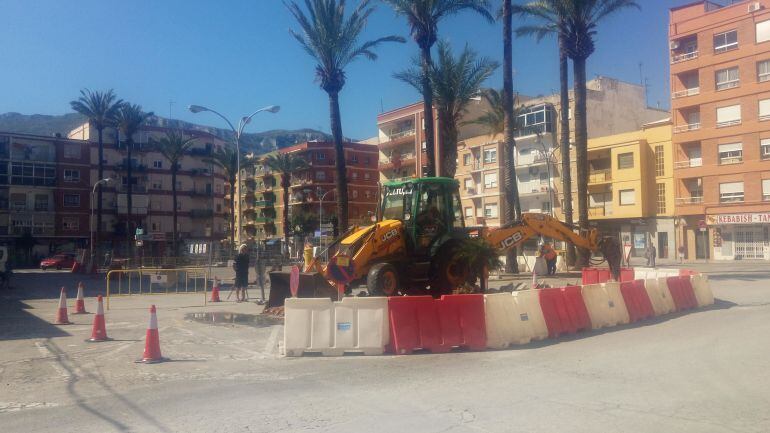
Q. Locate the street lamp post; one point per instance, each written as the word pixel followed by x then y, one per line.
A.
pixel 321 218
pixel 91 220
pixel 237 139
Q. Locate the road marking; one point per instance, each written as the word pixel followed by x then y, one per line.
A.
pixel 47 353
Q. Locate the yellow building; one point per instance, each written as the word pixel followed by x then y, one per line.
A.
pixel 631 187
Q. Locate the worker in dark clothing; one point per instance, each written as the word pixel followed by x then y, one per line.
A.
pixel 241 267
pixel 549 254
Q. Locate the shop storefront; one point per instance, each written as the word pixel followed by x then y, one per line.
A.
pixel 742 236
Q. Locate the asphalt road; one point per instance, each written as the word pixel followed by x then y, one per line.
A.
pixel 705 371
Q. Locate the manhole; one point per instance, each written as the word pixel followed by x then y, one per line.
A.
pixel 225 318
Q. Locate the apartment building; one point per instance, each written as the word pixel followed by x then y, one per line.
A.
pixel 720 98
pixel 202 212
pixel 44 195
pixel 630 187
pixel 263 194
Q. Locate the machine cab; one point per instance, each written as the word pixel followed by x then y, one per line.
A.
pixel 429 207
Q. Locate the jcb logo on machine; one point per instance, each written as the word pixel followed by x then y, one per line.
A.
pixel 510 241
pixel 390 235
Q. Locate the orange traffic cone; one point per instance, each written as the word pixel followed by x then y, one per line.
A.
pixel 99 332
pixel 152 341
pixel 215 291
pixel 61 315
pixel 80 305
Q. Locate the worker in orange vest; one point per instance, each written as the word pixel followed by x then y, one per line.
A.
pixel 549 254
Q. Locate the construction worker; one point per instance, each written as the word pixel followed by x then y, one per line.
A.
pixel 549 254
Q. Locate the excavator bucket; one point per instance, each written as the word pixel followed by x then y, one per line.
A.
pixel 610 248
pixel 311 285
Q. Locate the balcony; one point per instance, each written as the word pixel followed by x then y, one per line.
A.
pixel 398 138
pixel 263 220
pixel 201 213
pixel 687 163
pixel 687 127
pixel 683 57
pixel 600 176
pixel 688 200
pixel 531 190
pixel 687 92
pixel 264 203
pixel 397 161
pixel 534 158
pixel 600 211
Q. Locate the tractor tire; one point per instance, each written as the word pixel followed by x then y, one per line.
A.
pixel 447 271
pixel 383 280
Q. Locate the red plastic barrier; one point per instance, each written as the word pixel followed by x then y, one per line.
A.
pixel 564 311
pixel 437 325
pixel 637 301
pixel 590 276
pixel 626 274
pixel 687 272
pixel 603 274
pixel 682 293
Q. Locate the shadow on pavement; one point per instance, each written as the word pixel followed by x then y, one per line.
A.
pixel 741 276
pixel 16 323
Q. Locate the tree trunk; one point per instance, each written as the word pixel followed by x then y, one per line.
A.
pixel 173 199
pixel 129 203
pixel 427 98
pixel 448 144
pixel 511 187
pixel 566 166
pixel 339 154
pixel 286 229
pixel 99 206
pixel 581 150
pixel 232 212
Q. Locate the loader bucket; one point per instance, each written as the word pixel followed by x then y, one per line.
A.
pixel 311 285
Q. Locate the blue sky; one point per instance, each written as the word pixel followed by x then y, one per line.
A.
pixel 236 56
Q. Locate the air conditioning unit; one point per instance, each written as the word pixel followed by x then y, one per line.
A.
pixel 754 6
pixel 673 45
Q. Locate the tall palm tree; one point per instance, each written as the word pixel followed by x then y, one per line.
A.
pixel 550 15
pixel 333 40
pixel 286 164
pixel 455 81
pixel 423 17
pixel 226 158
pixel 101 109
pixel 129 119
pixel 173 147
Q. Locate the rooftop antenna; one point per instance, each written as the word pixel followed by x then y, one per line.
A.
pixel 382 107
pixel 645 83
pixel 171 103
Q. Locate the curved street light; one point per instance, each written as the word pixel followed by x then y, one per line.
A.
pixel 237 139
pixel 91 220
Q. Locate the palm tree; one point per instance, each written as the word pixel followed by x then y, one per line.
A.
pixel 101 109
pixel 455 81
pixel 286 164
pixel 226 158
pixel 173 147
pixel 334 42
pixel 423 17
pixel 129 119
pixel 551 15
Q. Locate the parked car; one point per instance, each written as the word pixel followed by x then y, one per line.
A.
pixel 58 261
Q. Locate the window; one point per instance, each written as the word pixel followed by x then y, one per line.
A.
pixel 219 207
pixel 368 194
pixel 725 41
pixel 320 175
pixel 320 156
pixel 490 180
pixel 157 184
pixel 660 162
pixel 355 175
pixel 731 192
pixel 763 70
pixel 490 156
pixel 544 180
pixel 367 160
pixel 71 200
pixel 41 203
pixel 730 153
pixel 547 208
pixel 625 160
pixel 468 184
pixel 367 176
pixel 764 109
pixel 490 210
pixel 70 224
pixel 763 31
pixel 728 116
pixel 72 151
pixel 468 212
pixel 727 78
pixel 660 198
pixel 765 189
pixel 627 197
pixel 764 148
pixel 467 159
pixel 72 175
pixel 156 226
pixel 157 164
pixel 424 147
pixel 355 193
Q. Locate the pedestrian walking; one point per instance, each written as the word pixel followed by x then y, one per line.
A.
pixel 681 253
pixel 241 268
pixel 650 253
pixel 549 254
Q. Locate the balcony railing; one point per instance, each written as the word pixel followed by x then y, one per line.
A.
pixel 600 211
pixel 687 127
pixel 728 123
pixel 533 158
pixel 687 163
pixel 688 200
pixel 687 92
pixel 597 176
pixel 401 134
pixel 676 58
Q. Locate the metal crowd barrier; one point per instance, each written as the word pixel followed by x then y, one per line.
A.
pixel 157 281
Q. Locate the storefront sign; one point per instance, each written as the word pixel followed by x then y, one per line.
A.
pixel 738 218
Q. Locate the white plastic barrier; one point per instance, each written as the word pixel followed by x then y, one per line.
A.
pixel 509 319
pixel 650 273
pixel 661 301
pixel 531 315
pixel 702 289
pixel 599 306
pixel 308 325
pixel 617 305
pixel 357 325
